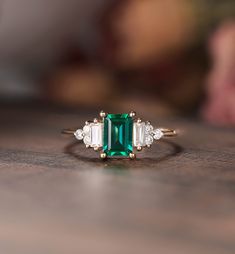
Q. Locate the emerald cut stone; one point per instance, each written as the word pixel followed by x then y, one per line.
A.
pixel 118 130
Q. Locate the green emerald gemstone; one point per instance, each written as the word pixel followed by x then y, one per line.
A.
pixel 118 130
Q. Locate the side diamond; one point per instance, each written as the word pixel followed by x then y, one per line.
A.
pixel 97 134
pixel 149 140
pixel 139 134
pixel 142 134
pixel 87 129
pixel 157 134
pixel 148 128
pixel 79 134
pixel 93 134
pixel 87 140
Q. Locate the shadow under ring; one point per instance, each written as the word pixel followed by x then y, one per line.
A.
pixel 152 156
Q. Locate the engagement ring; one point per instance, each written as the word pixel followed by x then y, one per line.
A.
pixel 119 135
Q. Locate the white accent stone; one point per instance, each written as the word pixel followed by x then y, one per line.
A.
pixel 139 134
pixel 157 134
pixel 142 134
pixel 87 140
pixel 79 134
pixel 148 128
pixel 93 134
pixel 97 134
pixel 149 140
pixel 86 129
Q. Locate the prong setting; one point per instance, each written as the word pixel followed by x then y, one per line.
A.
pixel 132 114
pixel 132 156
pixel 139 148
pixel 103 155
pixel 102 114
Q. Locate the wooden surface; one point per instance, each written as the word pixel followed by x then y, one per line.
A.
pixel 57 197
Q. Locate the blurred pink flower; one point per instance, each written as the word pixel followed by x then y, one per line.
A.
pixel 220 106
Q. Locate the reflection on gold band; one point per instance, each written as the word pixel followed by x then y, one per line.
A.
pixel 68 131
pixel 169 132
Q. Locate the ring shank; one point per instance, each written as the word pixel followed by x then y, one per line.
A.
pixel 68 131
pixel 168 132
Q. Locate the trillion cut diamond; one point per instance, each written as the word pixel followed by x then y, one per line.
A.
pixel 93 134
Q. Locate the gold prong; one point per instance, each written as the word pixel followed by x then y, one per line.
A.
pixel 139 120
pixel 96 148
pixel 132 114
pixel 132 156
pixel 102 114
pixel 139 148
pixel 103 156
pixel 95 120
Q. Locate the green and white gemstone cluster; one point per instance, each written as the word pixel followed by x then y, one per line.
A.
pixel 117 135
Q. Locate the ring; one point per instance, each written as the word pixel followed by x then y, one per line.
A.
pixel 119 135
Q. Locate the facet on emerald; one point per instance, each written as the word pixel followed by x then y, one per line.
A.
pixel 117 138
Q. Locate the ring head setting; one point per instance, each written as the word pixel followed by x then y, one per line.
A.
pixel 118 135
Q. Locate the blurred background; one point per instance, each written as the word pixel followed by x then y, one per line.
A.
pixel 159 57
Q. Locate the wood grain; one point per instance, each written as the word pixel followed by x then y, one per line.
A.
pixel 58 197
